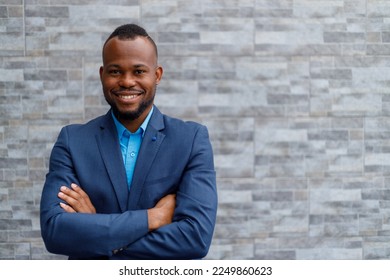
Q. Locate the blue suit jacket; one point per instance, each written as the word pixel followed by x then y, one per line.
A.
pixel 175 157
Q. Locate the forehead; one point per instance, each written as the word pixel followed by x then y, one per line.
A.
pixel 139 49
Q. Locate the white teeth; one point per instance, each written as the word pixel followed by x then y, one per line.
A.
pixel 128 96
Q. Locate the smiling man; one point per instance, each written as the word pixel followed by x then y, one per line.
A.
pixel 134 183
pixel 129 77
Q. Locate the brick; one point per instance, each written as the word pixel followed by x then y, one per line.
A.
pixel 47 11
pixel 294 94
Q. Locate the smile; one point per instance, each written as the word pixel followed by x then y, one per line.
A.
pixel 127 97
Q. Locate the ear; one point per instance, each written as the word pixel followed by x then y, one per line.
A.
pixel 159 74
pixel 101 72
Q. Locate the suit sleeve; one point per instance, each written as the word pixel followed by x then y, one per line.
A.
pixel 82 235
pixel 189 236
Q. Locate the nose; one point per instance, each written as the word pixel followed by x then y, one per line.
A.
pixel 127 80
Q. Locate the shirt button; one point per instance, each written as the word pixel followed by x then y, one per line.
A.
pixel 132 154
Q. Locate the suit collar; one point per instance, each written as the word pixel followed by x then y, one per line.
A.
pixel 108 143
pixel 150 146
pixel 157 120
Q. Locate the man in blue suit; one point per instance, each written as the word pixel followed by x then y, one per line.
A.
pixel 134 183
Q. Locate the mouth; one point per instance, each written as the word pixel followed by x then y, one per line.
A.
pixel 127 95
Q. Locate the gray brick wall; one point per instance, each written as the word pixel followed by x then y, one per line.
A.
pixel 295 94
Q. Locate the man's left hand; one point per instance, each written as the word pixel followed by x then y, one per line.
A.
pixel 77 201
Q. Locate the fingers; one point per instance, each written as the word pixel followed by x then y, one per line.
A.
pixel 69 196
pixel 76 192
pixel 76 200
pixel 67 208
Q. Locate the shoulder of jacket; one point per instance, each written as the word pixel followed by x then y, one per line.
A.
pixel 91 124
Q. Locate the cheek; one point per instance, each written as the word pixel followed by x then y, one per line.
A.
pixel 108 83
pixel 150 83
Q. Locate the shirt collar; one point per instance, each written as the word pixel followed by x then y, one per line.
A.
pixel 121 128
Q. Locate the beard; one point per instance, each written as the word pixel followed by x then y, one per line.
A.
pixel 130 115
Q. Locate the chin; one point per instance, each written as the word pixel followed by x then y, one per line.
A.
pixel 129 115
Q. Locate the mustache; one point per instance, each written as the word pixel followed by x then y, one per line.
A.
pixel 127 91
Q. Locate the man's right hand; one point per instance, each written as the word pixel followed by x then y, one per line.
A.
pixel 162 214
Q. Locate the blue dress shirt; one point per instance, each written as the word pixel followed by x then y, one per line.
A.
pixel 130 144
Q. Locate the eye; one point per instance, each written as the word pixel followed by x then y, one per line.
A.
pixel 114 72
pixel 139 71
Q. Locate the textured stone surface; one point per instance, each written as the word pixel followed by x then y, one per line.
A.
pixel 295 95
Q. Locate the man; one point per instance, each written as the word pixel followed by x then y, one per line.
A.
pixel 134 183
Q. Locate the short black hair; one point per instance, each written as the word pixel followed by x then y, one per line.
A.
pixel 130 32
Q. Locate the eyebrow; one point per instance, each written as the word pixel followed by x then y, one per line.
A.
pixel 140 65
pixel 135 66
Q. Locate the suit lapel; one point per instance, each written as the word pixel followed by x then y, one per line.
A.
pixel 150 145
pixel 108 143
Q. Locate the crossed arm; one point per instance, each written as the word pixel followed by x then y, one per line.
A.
pixel 77 201
pixel 179 226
